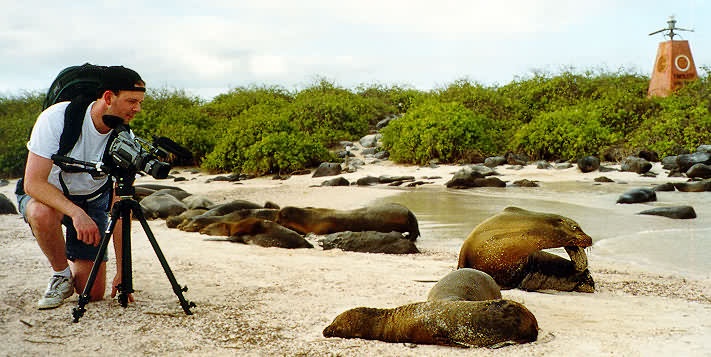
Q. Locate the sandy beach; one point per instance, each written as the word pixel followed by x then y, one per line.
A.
pixel 269 301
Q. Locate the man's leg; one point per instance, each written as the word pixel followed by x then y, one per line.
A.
pixel 81 269
pixel 45 223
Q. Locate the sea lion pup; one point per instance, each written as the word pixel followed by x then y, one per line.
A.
pixel 465 284
pixel 175 221
pixel 446 323
pixel 381 218
pixel 508 247
pixel 228 224
pixel 262 232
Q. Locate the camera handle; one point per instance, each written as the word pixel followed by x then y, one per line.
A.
pixel 123 209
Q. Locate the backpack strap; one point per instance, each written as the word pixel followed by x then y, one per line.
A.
pixel 73 121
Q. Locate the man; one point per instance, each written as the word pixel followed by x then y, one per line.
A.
pixel 84 211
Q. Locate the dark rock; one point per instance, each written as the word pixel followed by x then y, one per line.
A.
pixel 327 169
pixel 635 164
pixel 650 156
pixel 494 161
pixel 367 181
pixel 517 159
pixel 699 171
pixel 704 148
pixel 370 141
pixel 588 164
pixel 667 187
pixel 603 179
pixel 638 195
pixel 337 181
pixel 686 161
pixel 4 182
pixel 524 183
pixel 369 242
pixel 382 155
pixel 677 212
pixel 391 179
pixel 669 163
pixel 6 206
pixel 693 186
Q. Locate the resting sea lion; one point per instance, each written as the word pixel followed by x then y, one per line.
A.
pixel 447 323
pixel 465 284
pixel 175 221
pixel 197 223
pixel 264 233
pixel 382 218
pixel 508 247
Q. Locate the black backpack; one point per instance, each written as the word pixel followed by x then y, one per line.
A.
pixel 80 85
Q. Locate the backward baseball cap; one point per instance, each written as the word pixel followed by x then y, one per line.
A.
pixel 116 78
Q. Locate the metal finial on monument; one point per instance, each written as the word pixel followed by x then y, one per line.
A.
pixel 671 26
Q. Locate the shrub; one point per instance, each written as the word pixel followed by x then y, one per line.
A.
pixel 436 130
pixel 17 116
pixel 570 132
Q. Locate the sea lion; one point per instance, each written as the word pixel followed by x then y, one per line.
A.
pixel 381 218
pixel 465 284
pixel 447 323
pixel 6 206
pixel 508 247
pixel 264 233
pixel 197 223
pixel 175 221
pixel 162 205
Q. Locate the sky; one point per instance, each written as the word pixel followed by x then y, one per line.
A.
pixel 208 47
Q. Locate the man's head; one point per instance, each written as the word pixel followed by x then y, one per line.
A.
pixel 123 91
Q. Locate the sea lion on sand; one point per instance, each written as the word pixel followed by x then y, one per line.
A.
pixel 508 247
pixel 262 232
pixel 447 323
pixel 197 223
pixel 175 221
pixel 381 218
pixel 465 284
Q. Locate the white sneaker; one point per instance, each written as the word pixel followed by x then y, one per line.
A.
pixel 59 288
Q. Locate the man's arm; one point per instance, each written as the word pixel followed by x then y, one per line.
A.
pixel 36 185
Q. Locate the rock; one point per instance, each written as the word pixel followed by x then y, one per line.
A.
pixel 327 169
pixel 588 164
pixel 676 212
pixel 635 164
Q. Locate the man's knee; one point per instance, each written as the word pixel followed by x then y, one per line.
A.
pixel 81 269
pixel 40 215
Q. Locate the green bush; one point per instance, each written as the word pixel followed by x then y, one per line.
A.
pixel 682 123
pixel 330 114
pixel 17 116
pixel 435 130
pixel 174 114
pixel 263 140
pixel 568 133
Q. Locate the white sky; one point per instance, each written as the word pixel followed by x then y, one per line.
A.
pixel 209 46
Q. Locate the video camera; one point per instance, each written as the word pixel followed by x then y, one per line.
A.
pixel 130 154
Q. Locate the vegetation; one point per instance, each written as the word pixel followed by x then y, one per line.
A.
pixel 269 130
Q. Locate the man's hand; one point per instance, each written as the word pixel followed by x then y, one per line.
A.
pixel 114 290
pixel 87 230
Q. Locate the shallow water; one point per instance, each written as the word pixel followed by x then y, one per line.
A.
pixel 657 244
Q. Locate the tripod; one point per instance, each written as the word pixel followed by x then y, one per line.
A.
pixel 122 209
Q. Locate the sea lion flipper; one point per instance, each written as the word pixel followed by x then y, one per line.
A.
pixel 578 257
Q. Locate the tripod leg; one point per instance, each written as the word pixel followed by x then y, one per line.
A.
pixel 79 310
pixel 138 213
pixel 126 286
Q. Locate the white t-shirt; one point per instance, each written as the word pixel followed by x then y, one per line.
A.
pixel 44 142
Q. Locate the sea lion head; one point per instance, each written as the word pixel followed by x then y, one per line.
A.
pixel 354 323
pixel 559 231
